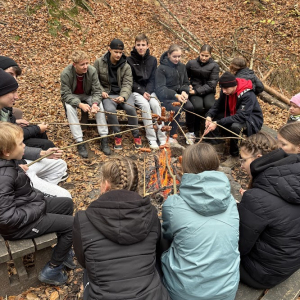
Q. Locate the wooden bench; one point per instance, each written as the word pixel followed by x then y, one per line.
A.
pixel 15 251
pixel 287 290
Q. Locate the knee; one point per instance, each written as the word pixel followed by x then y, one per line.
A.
pixel 69 205
pixel 236 127
pixel 130 110
pixel 189 106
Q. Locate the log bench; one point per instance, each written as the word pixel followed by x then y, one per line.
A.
pixel 287 290
pixel 15 251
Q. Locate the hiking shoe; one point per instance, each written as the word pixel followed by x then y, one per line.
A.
pixel 231 162
pixel 69 260
pixel 153 145
pixel 82 151
pixel 104 146
pixel 118 143
pixel 138 142
pixel 53 275
pixel 190 138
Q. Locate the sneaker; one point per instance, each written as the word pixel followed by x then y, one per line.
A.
pixel 64 177
pixel 173 141
pixel 53 275
pixel 138 142
pixel 82 151
pixel 153 145
pixel 69 261
pixel 190 138
pixel 231 162
pixel 118 143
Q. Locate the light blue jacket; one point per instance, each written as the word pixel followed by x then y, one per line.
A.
pixel 203 224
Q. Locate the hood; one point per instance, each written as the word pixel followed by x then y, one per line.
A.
pixel 245 73
pixel 278 173
pixel 243 86
pixel 136 55
pixel 122 216
pixel 164 60
pixel 106 58
pixel 208 193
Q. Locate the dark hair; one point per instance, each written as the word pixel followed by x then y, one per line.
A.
pixel 141 37
pixel 172 48
pixel 17 70
pixel 198 158
pixel 206 48
pixel 291 133
pixel 238 63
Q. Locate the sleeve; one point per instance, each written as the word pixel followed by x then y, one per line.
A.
pixel 77 242
pixel 218 106
pixel 66 93
pixel 253 221
pixel 96 92
pixel 32 153
pixel 211 83
pixel 151 83
pixel 188 69
pixel 167 214
pixel 31 131
pixel 258 86
pixel 161 89
pixel 127 81
pixel 186 83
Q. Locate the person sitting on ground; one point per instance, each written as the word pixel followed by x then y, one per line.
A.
pixel 80 88
pixel 236 109
pixel 203 73
pixel 115 78
pixel 24 211
pixel 116 237
pixel 202 223
pixel 143 67
pixel 238 67
pixel 294 109
pixel 172 85
pixel 288 138
pixel 46 174
pixel 269 213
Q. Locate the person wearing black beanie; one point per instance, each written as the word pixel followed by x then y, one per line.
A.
pixel 10 66
pixel 8 84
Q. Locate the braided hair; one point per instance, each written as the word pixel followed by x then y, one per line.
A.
pixel 121 173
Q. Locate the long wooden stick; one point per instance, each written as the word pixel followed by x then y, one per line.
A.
pixel 183 132
pixel 171 173
pixel 83 124
pixel 144 176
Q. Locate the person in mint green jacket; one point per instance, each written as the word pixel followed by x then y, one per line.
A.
pixel 202 223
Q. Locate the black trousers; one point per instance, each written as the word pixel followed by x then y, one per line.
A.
pixel 59 219
pixel 201 106
pixel 39 141
pixel 190 118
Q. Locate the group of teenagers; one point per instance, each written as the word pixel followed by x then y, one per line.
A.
pixel 207 242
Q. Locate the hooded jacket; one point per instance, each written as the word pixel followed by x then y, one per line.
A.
pixel 248 74
pixel 170 79
pixel 115 240
pixel 203 224
pixel 20 203
pixel 124 75
pixel 247 108
pixel 203 76
pixel 143 71
pixel 269 219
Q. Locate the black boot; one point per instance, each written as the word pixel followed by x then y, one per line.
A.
pixel 82 151
pixel 104 145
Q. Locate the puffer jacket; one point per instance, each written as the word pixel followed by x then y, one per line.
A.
pixel 115 239
pixel 248 74
pixel 68 85
pixel 203 76
pixel 124 75
pixel 203 224
pixel 20 203
pixel 170 79
pixel 269 219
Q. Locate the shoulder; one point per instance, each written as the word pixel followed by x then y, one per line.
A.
pixel 67 70
pixel 92 70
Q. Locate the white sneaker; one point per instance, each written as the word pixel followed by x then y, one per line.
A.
pixel 173 141
pixel 153 145
pixel 190 138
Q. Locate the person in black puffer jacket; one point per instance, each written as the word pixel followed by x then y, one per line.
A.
pixel 238 67
pixel 172 85
pixel 204 75
pixel 269 213
pixel 116 238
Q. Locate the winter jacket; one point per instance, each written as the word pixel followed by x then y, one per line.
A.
pixel 20 203
pixel 170 79
pixel 143 71
pixel 247 108
pixel 203 224
pixel 269 219
pixel 91 85
pixel 248 74
pixel 124 75
pixel 115 240
pixel 203 76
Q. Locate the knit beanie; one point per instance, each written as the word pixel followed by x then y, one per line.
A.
pixel 7 83
pixel 296 99
pixel 7 62
pixel 116 44
pixel 227 80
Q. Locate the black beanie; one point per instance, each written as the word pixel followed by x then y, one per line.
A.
pixel 7 83
pixel 116 44
pixel 7 62
pixel 227 80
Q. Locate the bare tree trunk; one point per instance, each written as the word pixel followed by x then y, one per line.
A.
pixel 268 98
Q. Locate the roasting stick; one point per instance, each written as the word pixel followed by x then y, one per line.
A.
pixel 171 173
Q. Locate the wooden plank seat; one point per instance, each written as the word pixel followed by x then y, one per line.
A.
pixel 15 251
